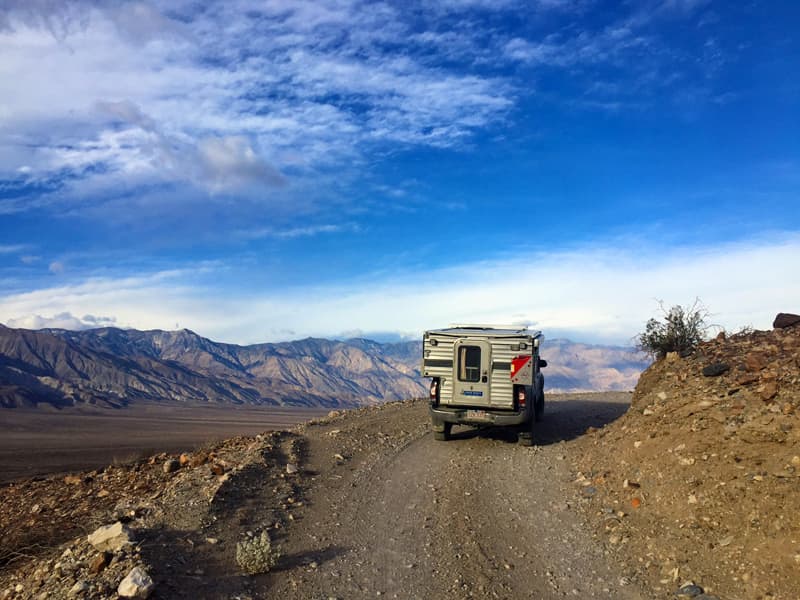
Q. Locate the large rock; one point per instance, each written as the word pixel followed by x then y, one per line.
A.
pixel 783 320
pixel 138 584
pixel 111 537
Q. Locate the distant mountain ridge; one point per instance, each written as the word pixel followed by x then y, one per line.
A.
pixel 113 367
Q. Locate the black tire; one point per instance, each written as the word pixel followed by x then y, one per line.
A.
pixel 538 408
pixel 525 437
pixel 444 435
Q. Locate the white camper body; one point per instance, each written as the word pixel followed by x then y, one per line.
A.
pixel 483 375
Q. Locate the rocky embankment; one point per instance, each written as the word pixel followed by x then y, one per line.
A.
pixel 700 479
pixel 115 532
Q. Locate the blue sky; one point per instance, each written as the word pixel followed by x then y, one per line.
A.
pixel 268 170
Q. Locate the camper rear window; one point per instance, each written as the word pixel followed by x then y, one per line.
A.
pixel 469 363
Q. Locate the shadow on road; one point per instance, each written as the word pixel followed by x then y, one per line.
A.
pixel 301 559
pixel 564 420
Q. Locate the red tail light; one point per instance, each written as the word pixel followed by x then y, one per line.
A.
pixel 434 389
pixel 521 399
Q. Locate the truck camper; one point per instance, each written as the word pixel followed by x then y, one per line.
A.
pixel 484 375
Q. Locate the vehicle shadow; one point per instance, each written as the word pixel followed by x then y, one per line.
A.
pixel 564 419
pixel 286 563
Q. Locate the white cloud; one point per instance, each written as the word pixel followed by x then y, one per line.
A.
pixel 12 248
pixel 296 232
pixel 63 320
pixel 590 294
pixel 56 267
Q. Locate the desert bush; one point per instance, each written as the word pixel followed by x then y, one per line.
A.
pixel 680 330
pixel 256 555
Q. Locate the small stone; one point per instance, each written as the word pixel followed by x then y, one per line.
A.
pixel 171 465
pixel 103 493
pixel 726 541
pixel 79 589
pixel 36 509
pixel 716 369
pixel 212 540
pixel 291 468
pixel 754 362
pixel 662 395
pixel 217 469
pixel 796 461
pixel 636 502
pixel 768 391
pixel 111 537
pixel 338 457
pixel 692 499
pixel 138 584
pixel 689 590
pixel 184 459
pixel 19 588
pixel 747 378
pixel 637 444
pixel 72 480
pixel 198 460
pixel 99 563
pixel 647 412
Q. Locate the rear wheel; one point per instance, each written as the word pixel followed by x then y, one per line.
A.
pixel 526 434
pixel 444 434
pixel 538 407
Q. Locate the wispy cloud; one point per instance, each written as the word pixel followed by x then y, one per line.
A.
pixel 297 232
pixel 12 248
pixel 591 293
pixel 227 97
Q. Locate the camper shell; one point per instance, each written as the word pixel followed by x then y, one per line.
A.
pixel 484 375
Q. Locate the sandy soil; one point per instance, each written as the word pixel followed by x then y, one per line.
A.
pixel 40 442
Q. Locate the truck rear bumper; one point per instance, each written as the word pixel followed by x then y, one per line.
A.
pixel 445 414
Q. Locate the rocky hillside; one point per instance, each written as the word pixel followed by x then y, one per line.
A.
pixel 700 480
pixel 114 367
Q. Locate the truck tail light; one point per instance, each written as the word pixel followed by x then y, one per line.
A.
pixel 521 399
pixel 434 390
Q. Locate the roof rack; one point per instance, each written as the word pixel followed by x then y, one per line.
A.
pixel 483 326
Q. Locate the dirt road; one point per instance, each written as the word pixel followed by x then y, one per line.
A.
pixel 389 512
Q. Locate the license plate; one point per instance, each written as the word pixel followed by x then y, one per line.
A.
pixel 478 415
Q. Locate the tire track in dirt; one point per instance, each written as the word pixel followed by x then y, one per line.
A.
pixel 404 516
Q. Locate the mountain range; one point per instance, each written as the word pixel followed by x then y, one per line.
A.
pixel 112 367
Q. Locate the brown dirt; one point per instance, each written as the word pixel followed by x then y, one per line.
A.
pixel 714 466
